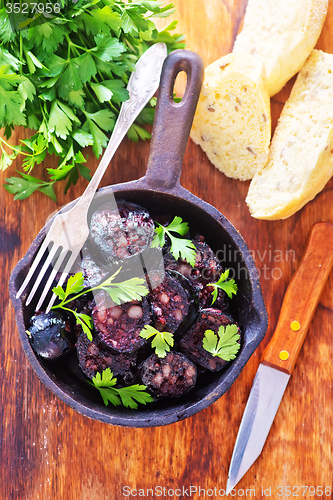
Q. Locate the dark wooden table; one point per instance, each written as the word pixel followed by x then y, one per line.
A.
pixel 48 451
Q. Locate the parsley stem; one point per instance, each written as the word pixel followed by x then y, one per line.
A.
pixel 13 148
pixel 107 282
pixel 90 95
pixel 72 44
pixel 21 54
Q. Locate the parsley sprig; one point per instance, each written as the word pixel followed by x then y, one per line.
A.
pixel 161 341
pixel 129 396
pixel 125 291
pixel 180 247
pixel 224 345
pixel 228 286
pixel 64 77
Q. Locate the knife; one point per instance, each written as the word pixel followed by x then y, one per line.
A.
pixel 279 358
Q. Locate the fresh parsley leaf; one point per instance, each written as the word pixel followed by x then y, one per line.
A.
pixel 107 48
pixel 59 122
pixel 180 248
pixel 135 132
pixel 24 186
pixel 119 93
pixel 11 108
pixel 85 322
pixel 74 284
pixel 178 226
pixel 65 77
pixel 184 249
pixel 6 160
pixel 161 341
pixel 125 291
pixel 228 286
pixel 103 118
pixel 86 67
pixel 102 93
pixel 224 345
pixel 128 396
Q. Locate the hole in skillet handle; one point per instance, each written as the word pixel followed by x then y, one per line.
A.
pixel 173 121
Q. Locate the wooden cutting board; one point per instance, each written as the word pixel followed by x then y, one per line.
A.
pixel 48 451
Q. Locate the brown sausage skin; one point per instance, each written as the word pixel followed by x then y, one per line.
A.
pixel 207 269
pixel 170 304
pixel 94 357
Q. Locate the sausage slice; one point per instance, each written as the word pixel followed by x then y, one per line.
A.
pixel 191 342
pixel 171 376
pixel 119 232
pixel 94 357
pixel 119 326
pixel 207 269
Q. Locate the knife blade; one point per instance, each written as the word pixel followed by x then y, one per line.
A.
pixel 279 358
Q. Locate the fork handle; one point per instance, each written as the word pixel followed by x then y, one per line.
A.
pixel 142 85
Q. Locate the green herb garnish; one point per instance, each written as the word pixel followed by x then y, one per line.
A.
pixel 229 287
pixel 224 345
pixel 64 77
pixel 125 291
pixel 161 341
pixel 180 247
pixel 128 396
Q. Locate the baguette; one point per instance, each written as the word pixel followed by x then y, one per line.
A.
pixel 281 33
pixel 301 155
pixel 232 122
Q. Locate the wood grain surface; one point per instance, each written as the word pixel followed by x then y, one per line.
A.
pixel 48 451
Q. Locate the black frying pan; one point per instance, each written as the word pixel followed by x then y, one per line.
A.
pixel 161 193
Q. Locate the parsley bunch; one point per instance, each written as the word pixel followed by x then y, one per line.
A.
pixel 64 77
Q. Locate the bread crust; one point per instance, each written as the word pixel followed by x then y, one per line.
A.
pixel 301 155
pixel 282 34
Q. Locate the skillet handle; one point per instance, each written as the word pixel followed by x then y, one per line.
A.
pixel 173 121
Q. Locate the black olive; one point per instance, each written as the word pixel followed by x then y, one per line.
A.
pixel 50 334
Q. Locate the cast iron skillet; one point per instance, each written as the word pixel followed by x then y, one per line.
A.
pixel 161 193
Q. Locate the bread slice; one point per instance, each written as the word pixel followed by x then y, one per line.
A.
pixel 232 123
pixel 301 154
pixel 282 33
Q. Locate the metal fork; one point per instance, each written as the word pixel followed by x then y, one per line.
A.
pixel 69 230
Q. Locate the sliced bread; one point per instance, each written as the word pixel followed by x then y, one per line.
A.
pixel 301 155
pixel 232 123
pixel 281 33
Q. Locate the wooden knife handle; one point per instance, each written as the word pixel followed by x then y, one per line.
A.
pixel 301 299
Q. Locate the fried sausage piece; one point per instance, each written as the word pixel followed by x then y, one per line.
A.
pixel 50 334
pixel 207 269
pixel 119 232
pixel 94 357
pixel 119 326
pixel 169 303
pixel 191 342
pixel 171 376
